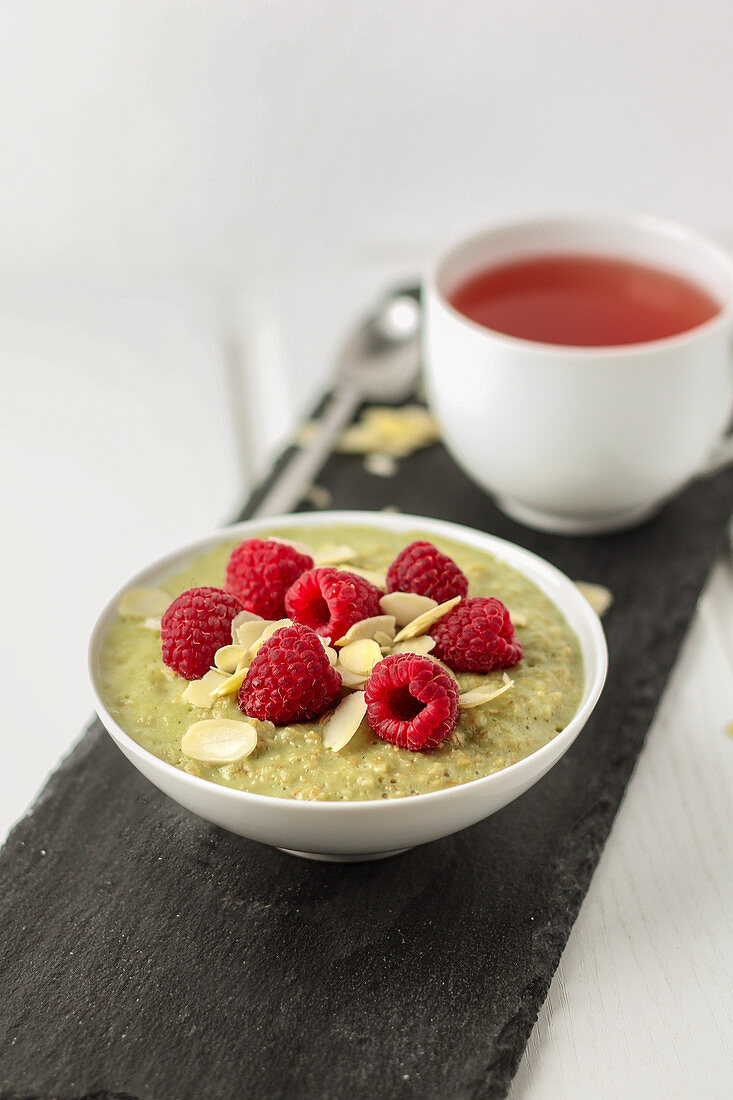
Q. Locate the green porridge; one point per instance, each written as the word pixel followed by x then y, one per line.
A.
pixel 144 696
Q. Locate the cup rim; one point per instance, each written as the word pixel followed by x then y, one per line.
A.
pixel 649 223
pixel 516 555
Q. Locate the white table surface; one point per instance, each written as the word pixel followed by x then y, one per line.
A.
pixel 98 478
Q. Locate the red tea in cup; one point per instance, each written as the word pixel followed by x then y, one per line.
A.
pixel 583 300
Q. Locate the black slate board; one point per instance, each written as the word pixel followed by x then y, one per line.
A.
pixel 144 954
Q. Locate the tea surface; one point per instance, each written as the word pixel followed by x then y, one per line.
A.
pixel 585 301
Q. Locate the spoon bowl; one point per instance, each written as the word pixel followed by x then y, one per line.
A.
pixel 379 362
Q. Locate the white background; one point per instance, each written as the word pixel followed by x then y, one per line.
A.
pixel 182 179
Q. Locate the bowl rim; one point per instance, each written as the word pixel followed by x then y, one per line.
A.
pixel 508 552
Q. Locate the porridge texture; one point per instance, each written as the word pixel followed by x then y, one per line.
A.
pixel 145 697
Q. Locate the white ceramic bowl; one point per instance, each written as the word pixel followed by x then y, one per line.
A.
pixel 344 831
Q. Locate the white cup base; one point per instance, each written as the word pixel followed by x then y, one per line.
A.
pixel 562 525
pixel 325 858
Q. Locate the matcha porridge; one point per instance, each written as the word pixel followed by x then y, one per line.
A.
pixel 465 724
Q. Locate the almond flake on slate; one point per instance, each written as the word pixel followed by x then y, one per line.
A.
pixel 598 596
pixel 476 697
pixel 331 555
pixel 369 628
pixel 344 722
pixel 228 657
pixel 319 496
pixel 219 741
pixel 360 657
pixel 232 683
pixel 249 632
pixel 151 624
pixel 143 603
pixel 423 645
pixel 406 606
pixel 350 679
pixel 379 580
pixel 423 622
pixel 392 431
pixel 200 693
pixel 380 465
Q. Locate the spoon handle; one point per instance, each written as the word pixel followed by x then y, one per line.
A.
pixel 305 465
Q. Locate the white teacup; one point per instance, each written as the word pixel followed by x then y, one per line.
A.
pixel 581 439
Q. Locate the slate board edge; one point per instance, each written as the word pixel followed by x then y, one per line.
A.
pixel 591 833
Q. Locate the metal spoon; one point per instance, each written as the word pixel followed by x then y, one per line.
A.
pixel 380 362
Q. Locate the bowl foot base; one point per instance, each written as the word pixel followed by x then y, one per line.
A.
pixel 326 858
pixel 560 525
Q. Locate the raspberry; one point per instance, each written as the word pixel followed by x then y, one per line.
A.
pixel 194 626
pixel 421 568
pixel 290 679
pixel 260 571
pixel 330 600
pixel 477 636
pixel 411 701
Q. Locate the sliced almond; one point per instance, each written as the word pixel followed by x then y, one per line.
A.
pixel 301 547
pixel 200 693
pixel 406 606
pixel 598 596
pixel 143 603
pixel 307 432
pixel 151 624
pixel 360 657
pixel 244 617
pixel 228 657
pixel 329 651
pixel 380 464
pixel 518 619
pixel 319 496
pixel 232 683
pixel 423 645
pixel 383 640
pixel 476 697
pixel 219 740
pixel 379 580
pixel 350 679
pixel 423 622
pixel 369 628
pixel 269 630
pixel 330 555
pixel 249 632
pixel 394 431
pixel 344 722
